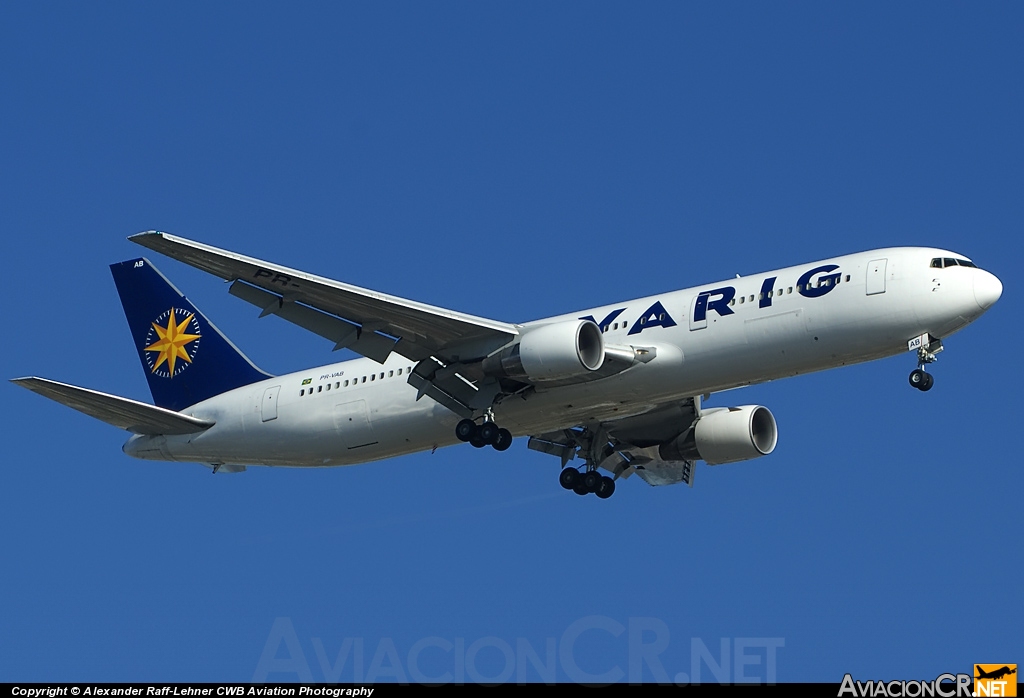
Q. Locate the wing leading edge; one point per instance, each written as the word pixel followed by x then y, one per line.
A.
pixel 370 323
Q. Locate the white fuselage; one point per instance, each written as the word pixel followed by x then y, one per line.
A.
pixel 357 411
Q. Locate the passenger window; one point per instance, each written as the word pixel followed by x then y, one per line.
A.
pixel 372 376
pixel 382 375
pixel 789 290
pixel 604 329
pixel 319 388
pixel 364 379
pixel 399 371
pixel 732 302
pixel 337 385
pixel 346 384
pixel 391 374
pixel 328 386
pixel 302 392
pixel 751 298
pixel 847 278
pixel 760 297
pixel 743 299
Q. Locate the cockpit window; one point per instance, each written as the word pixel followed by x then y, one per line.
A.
pixel 939 263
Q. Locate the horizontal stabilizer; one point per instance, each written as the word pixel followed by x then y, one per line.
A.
pixel 136 417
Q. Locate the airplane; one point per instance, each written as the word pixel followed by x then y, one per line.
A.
pixel 995 674
pixel 619 387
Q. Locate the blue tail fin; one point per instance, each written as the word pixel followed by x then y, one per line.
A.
pixel 186 358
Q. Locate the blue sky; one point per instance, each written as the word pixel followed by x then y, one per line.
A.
pixel 514 161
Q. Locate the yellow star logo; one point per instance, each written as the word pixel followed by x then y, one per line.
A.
pixel 171 342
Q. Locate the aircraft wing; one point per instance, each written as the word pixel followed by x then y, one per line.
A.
pixel 136 417
pixel 370 323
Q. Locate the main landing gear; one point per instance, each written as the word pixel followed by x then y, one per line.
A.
pixel 480 435
pixel 584 483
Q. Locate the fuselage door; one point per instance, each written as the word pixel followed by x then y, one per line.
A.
pixel 694 323
pixel 269 405
pixel 352 422
pixel 876 277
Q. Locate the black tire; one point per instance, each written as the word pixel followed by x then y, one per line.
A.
pixel 929 381
pixel 489 433
pixel 580 489
pixel 465 430
pixel 607 488
pixel 917 378
pixel 592 480
pixel 477 443
pixel 504 440
pixel 569 478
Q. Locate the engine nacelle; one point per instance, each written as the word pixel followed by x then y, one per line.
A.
pixel 558 351
pixel 726 435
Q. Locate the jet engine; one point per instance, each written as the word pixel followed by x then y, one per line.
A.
pixel 559 351
pixel 725 435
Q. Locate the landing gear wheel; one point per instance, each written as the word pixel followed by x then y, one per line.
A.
pixel 569 478
pixel 504 440
pixel 917 378
pixel 606 488
pixel 489 433
pixel 579 488
pixel 921 380
pixel 477 442
pixel 592 480
pixel 465 430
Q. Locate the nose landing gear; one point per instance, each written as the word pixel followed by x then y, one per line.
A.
pixel 927 347
pixel 921 380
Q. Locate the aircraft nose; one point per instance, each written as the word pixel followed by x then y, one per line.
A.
pixel 987 288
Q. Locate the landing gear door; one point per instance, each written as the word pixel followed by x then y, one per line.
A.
pixel 696 324
pixel 876 277
pixel 269 405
